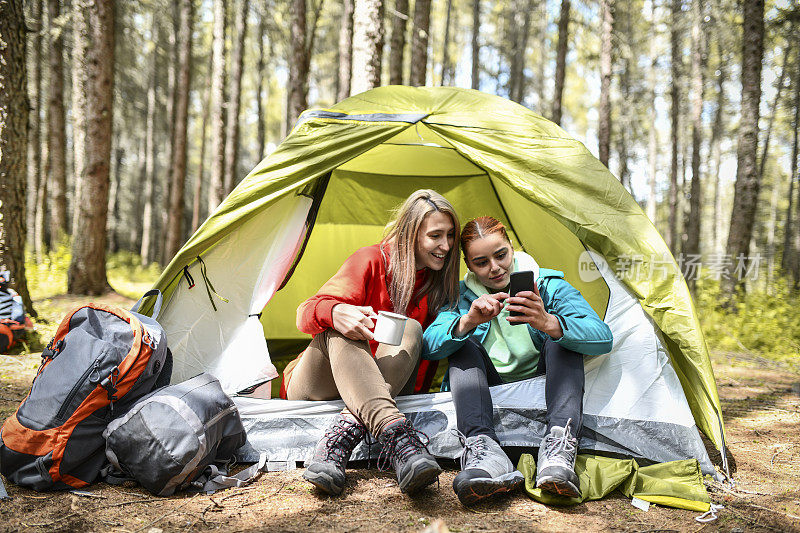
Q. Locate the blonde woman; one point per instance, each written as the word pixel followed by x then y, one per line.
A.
pixel 412 271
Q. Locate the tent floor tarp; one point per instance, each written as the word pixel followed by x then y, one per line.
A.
pixel 287 431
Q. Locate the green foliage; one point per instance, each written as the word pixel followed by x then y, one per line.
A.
pixel 766 322
pixel 126 274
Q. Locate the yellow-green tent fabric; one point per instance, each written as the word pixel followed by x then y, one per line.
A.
pixel 329 187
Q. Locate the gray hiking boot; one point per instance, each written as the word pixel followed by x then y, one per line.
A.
pixel 555 468
pixel 485 470
pixel 402 446
pixel 326 468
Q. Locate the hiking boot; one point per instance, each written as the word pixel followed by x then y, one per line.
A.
pixel 326 468
pixel 402 445
pixel 555 468
pixel 486 470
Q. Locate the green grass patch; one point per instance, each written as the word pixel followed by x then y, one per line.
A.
pixel 765 322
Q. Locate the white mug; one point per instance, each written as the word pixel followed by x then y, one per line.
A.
pixel 389 328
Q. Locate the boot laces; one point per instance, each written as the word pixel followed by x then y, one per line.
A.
pixel 341 439
pixel 404 442
pixel 472 452
pixel 561 449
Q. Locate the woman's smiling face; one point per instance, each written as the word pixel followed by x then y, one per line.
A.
pixel 490 258
pixel 435 239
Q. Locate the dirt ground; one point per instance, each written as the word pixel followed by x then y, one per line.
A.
pixel 760 402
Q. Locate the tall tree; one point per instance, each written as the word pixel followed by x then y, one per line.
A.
pixel 42 228
pixel 698 67
pixel 521 29
pixel 216 187
pixel 561 60
pixel 715 150
pixel 447 64
pixel 80 44
pixel 261 65
pixel 13 144
pixel 87 271
pixel 175 220
pixel 790 261
pixel 476 46
pixel 56 169
pixel 676 37
pixel 419 43
pixel 298 65
pixel 200 174
pixel 604 125
pixel 234 100
pixel 150 155
pixel 345 72
pixel 367 45
pixel 747 179
pixel 652 133
pixel 397 47
pixel 34 129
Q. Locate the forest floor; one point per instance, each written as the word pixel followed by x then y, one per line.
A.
pixel 760 403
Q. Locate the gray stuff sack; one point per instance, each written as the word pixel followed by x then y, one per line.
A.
pixel 166 441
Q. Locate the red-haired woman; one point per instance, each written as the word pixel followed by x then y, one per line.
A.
pixel 412 271
pixel 485 348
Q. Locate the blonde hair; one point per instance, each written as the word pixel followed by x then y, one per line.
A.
pixel 441 285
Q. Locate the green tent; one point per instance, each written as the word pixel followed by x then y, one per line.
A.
pixel 329 187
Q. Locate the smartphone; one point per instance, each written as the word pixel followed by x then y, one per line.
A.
pixel 520 281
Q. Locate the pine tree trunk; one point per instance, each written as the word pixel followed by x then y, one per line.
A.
pixel 397 48
pixel 522 25
pixel 698 69
pixel 675 41
pixel 652 133
pixel 561 60
pixel 216 190
pixel 790 260
pixel 78 108
pixel 43 211
pixel 136 185
pixel 234 101
pixel 446 63
pixel 476 46
pixel 298 66
pixel 175 220
pixel 715 151
pixel 200 175
pixel 345 71
pixel 604 125
pixel 113 197
pixel 149 200
pixel 367 45
pixel 56 132
pixel 34 84
pixel 87 271
pixel 747 185
pixel 419 43
pixel 13 144
pixel 261 80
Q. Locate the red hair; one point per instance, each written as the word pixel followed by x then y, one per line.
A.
pixel 479 228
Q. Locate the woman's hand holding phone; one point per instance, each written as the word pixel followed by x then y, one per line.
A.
pixel 354 321
pixel 483 309
pixel 530 306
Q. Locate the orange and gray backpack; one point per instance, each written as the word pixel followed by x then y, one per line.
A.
pixel 102 360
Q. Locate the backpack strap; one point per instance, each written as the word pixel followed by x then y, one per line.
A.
pixel 215 477
pixel 156 306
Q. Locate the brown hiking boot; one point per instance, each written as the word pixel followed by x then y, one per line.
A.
pixel 402 445
pixel 326 468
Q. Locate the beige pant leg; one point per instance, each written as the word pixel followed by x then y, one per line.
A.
pixel 399 364
pixel 334 366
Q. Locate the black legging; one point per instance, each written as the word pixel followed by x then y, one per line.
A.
pixel 472 373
